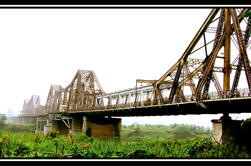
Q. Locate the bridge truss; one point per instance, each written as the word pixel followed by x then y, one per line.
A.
pixel 198 74
pixel 217 53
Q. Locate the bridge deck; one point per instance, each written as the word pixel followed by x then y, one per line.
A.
pixel 216 106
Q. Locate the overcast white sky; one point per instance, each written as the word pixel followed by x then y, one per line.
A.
pixel 40 47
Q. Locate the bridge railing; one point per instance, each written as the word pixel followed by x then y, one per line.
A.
pixel 130 98
pixel 143 96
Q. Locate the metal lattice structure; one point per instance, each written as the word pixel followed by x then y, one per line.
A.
pixel 32 107
pixel 54 99
pixel 203 72
pixel 226 33
pixel 82 91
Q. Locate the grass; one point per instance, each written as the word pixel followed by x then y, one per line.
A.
pixel 138 141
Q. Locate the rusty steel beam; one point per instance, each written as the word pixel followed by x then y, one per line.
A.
pixel 192 44
pixel 183 59
pixel 240 60
pixel 216 40
pixel 83 90
pixel 164 82
pixel 242 47
pixel 211 60
pixel 190 79
pixel 179 66
pixel 227 67
pixel 209 68
pixel 217 85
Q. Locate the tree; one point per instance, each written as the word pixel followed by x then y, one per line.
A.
pixel 182 131
pixel 2 120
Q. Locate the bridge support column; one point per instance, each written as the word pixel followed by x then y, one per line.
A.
pixel 76 124
pixel 40 125
pixel 104 128
pixel 60 127
pixel 226 130
pixel 47 127
pixel 56 125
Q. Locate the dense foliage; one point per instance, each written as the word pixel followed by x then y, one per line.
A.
pixel 152 132
pixel 138 141
pixel 2 120
pixel 19 127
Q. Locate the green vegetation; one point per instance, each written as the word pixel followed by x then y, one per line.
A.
pixel 152 132
pixel 19 127
pixel 245 132
pixel 138 141
pixel 248 14
pixel 2 120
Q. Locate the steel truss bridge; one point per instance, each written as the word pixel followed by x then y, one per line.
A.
pixel 198 83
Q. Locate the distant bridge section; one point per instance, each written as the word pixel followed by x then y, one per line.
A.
pixel 32 107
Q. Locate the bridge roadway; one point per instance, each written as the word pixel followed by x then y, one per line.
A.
pixel 215 106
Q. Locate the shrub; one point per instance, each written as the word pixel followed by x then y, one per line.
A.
pixel 245 132
pixel 2 120
pixel 19 127
pixel 22 149
pixel 51 134
pixel 77 151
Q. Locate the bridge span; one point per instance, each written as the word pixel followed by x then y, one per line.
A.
pixel 192 85
pixel 216 106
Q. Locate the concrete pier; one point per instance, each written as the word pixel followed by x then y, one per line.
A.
pixel 47 127
pixel 226 130
pixel 76 124
pixel 104 128
pixel 60 127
